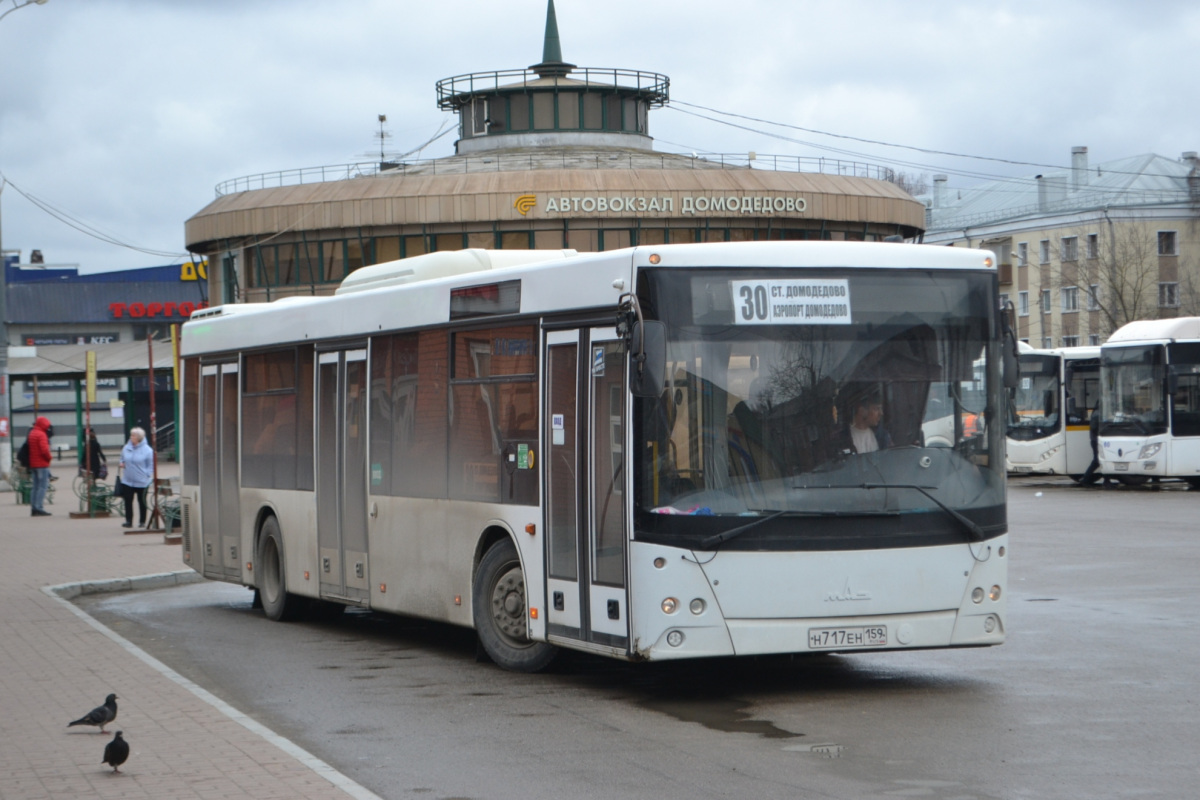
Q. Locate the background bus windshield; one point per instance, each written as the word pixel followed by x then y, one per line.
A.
pixel 833 419
pixel 1034 412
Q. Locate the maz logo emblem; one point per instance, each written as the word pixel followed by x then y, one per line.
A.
pixel 847 594
pixel 525 202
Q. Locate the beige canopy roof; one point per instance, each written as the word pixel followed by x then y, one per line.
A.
pixel 69 361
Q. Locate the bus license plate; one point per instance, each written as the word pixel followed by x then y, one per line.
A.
pixel 1121 466
pixel 836 638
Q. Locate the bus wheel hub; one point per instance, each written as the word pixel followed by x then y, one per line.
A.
pixel 508 604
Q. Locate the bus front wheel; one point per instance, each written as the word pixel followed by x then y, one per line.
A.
pixel 272 583
pixel 498 606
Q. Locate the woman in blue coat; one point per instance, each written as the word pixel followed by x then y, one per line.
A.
pixel 137 471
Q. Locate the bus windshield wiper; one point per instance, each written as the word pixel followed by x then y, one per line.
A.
pixel 971 526
pixel 725 536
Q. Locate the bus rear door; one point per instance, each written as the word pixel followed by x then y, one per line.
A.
pixel 342 474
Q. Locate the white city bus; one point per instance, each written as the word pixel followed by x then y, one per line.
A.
pixel 1150 379
pixel 640 453
pixel 1049 413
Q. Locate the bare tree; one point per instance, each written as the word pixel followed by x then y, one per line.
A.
pixel 915 183
pixel 1120 278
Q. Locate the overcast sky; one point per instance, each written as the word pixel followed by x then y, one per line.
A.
pixel 126 113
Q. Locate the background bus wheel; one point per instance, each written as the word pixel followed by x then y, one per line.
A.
pixel 498 606
pixel 272 588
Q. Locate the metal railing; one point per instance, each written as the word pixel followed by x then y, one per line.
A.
pixel 567 158
pixel 453 92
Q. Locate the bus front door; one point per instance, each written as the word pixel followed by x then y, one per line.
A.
pixel 342 474
pixel 220 508
pixel 585 479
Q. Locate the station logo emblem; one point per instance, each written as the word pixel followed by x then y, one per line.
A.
pixel 524 203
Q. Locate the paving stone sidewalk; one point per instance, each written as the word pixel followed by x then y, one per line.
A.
pixel 55 667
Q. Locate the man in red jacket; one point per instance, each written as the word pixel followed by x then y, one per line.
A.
pixel 39 465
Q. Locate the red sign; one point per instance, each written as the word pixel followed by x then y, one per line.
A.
pixel 143 310
pixel 3 427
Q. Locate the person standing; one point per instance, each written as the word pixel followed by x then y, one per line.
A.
pixel 39 465
pixel 137 470
pixel 98 463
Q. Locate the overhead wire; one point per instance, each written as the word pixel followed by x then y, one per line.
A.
pixel 85 227
pixel 967 173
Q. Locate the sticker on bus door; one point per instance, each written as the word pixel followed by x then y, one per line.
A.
pixel 807 301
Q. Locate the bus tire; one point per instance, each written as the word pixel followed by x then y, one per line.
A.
pixel 277 603
pixel 498 607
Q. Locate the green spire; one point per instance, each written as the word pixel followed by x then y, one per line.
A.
pixel 552 49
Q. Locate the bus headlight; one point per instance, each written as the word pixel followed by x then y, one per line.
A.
pixel 1149 450
pixel 977 595
pixel 670 605
pixel 697 606
pixel 994 594
pixel 675 638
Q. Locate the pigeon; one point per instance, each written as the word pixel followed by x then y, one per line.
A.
pixel 100 715
pixel 116 751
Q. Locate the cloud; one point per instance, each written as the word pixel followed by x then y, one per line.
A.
pixel 128 112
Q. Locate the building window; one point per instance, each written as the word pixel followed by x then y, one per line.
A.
pixel 1070 248
pixel 1044 251
pixel 1166 243
pixel 1093 297
pixel 1168 295
pixel 1094 339
pixel 1023 303
pixel 1070 298
pixel 1047 342
pixel 1070 341
pixel 1045 301
pixel 1093 245
pixel 1022 253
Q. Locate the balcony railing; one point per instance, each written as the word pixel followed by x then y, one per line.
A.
pixel 553 159
pixel 453 92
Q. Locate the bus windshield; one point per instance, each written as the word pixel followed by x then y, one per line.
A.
pixel 882 413
pixel 1132 379
pixel 1034 409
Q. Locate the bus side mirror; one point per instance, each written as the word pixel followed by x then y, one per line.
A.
pixel 648 358
pixel 1011 361
pixel 1048 403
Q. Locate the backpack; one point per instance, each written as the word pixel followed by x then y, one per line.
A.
pixel 23 455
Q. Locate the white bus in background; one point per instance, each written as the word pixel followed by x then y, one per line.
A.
pixel 1150 379
pixel 640 453
pixel 1049 413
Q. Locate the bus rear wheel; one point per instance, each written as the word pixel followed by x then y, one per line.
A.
pixel 498 606
pixel 277 604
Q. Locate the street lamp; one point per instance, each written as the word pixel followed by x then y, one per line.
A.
pixel 17 5
pixel 6 435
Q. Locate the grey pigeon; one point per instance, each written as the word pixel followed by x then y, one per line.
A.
pixel 100 715
pixel 116 751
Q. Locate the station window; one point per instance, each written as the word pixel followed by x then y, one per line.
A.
pixel 568 111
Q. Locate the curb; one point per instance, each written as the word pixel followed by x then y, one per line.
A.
pixel 162 580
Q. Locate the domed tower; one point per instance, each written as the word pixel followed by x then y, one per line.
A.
pixel 553 104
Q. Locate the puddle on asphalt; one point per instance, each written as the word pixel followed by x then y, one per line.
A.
pixel 726 716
